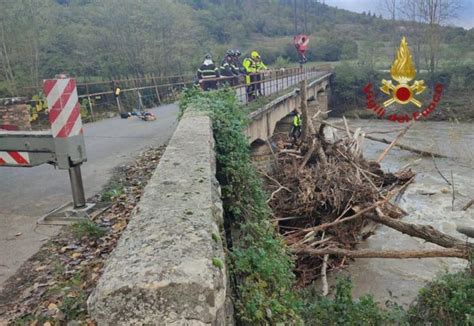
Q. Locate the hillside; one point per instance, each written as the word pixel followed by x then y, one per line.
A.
pixel 112 38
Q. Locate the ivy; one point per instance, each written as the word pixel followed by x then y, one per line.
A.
pixel 261 265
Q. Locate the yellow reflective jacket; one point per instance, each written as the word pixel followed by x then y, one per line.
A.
pixel 250 65
pixel 297 120
pixel 261 66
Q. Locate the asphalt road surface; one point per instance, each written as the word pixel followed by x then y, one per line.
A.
pixel 26 194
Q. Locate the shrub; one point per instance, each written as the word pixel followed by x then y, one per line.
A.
pixel 448 300
pixel 344 310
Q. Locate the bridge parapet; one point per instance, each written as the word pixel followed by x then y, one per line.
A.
pixel 165 269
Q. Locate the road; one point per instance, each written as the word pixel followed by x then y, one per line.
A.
pixel 29 193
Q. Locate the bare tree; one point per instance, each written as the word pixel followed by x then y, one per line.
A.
pixel 6 71
pixel 391 8
pixel 409 10
pixel 435 13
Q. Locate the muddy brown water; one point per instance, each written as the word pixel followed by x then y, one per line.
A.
pixel 429 200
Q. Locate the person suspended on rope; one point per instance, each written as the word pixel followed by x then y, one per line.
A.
pixel 301 45
pixel 295 132
pixel 208 73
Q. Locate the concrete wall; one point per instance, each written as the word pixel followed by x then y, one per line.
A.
pixel 264 120
pixel 15 117
pixel 162 271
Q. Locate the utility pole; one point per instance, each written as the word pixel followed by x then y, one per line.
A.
pixel 296 20
pixel 305 9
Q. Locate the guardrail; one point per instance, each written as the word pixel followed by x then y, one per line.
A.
pixel 62 146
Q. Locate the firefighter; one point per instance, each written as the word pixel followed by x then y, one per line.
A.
pixel 260 67
pixel 208 73
pixel 228 69
pixel 250 66
pixel 237 67
pixel 295 132
pixel 236 63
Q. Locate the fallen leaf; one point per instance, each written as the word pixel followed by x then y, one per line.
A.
pixel 41 268
pixel 76 255
pixel 53 307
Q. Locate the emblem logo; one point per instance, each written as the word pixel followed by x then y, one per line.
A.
pixel 403 71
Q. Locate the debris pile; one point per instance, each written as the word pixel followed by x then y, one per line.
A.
pixel 326 198
pixel 321 194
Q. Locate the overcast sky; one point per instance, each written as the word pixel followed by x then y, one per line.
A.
pixel 465 19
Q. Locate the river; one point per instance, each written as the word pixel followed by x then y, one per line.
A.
pixel 428 201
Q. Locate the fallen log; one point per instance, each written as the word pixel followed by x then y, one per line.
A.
pixel 396 254
pixel 469 204
pixel 425 232
pixel 393 143
pixel 385 141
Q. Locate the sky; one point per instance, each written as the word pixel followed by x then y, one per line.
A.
pixel 465 16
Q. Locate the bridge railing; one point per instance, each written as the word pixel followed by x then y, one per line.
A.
pixel 97 97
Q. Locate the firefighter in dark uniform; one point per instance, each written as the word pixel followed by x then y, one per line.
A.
pixel 208 73
pixel 228 70
pixel 237 66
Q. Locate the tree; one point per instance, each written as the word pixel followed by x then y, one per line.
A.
pixel 409 10
pixel 434 13
pixel 391 7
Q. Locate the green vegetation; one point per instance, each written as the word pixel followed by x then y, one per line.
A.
pixel 344 310
pixel 449 300
pixel 109 39
pixel 112 190
pixel 87 228
pixel 261 266
pixel 260 263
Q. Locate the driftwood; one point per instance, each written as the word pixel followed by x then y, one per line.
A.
pixel 385 141
pixel 397 254
pixel 393 143
pixel 425 232
pixel 306 122
pixel 323 275
pixel 469 204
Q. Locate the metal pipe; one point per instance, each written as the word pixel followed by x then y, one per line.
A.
pixel 77 187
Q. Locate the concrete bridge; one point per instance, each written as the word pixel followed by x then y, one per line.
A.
pixel 163 270
pixel 265 120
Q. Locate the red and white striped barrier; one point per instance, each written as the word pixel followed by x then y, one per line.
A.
pixel 14 158
pixel 64 108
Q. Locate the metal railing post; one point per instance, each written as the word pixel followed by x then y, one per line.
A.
pixel 77 187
